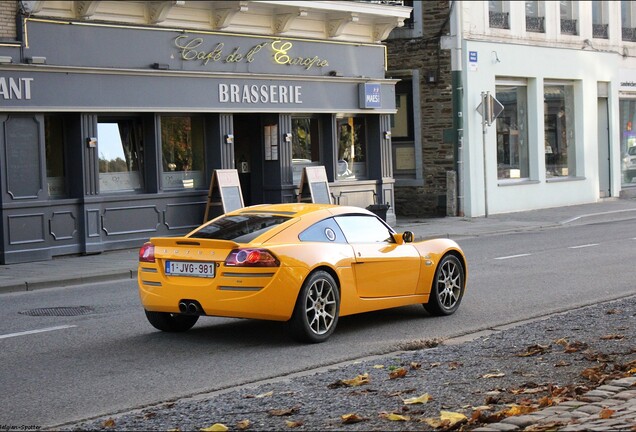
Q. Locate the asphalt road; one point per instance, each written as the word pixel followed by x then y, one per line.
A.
pixel 111 360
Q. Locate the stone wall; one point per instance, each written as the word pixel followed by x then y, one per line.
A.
pixel 424 53
pixel 8 10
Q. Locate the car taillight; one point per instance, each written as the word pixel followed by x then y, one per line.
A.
pixel 251 258
pixel 147 253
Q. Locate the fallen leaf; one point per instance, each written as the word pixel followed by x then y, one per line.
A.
pixel 534 350
pixel 494 375
pixel 149 415
pixel 434 365
pixel 606 413
pixel 415 365
pixel 259 396
pixel 216 427
pixel 394 417
pixel 544 427
pixel 398 373
pixel 613 337
pixel 454 365
pixel 353 382
pixel 378 366
pixel 613 311
pixel 562 363
pixel 284 411
pixel 452 417
pixel 594 374
pixel 562 342
pixel 517 410
pixel 435 423
pixel 351 418
pixel 243 424
pixel 546 401
pixel 294 424
pixel 575 347
pixel 418 400
pixel 109 423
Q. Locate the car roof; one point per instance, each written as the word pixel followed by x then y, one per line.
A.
pixel 299 209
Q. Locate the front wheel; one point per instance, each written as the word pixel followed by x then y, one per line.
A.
pixel 317 308
pixel 171 322
pixel 448 287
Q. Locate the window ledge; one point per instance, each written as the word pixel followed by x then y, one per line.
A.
pixel 563 179
pixel 517 182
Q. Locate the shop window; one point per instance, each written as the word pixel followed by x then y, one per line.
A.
pixel 305 145
pixel 351 163
pixel 119 148
pixel 560 142
pixel 498 14
pixel 627 115
pixel 628 21
pixel 535 16
pixel 568 18
pixel 182 144
pixel 512 131
pixel 600 19
pixel 402 132
pixel 55 164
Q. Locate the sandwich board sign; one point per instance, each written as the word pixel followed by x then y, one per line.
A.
pixel 225 192
pixel 314 186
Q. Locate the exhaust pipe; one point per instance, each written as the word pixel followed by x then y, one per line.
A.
pixel 183 307
pixel 193 308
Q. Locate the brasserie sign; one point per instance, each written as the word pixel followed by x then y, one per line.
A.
pixel 281 52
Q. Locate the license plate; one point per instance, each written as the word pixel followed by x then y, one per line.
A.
pixel 190 268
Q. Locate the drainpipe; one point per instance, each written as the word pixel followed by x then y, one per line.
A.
pixel 455 42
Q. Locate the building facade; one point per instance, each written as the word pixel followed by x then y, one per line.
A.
pixel 532 104
pixel 114 115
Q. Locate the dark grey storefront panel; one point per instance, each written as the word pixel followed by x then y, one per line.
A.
pixel 30 89
pixel 95 45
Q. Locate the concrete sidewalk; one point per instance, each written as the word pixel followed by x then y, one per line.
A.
pixel 117 265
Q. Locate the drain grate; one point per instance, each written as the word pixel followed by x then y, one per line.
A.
pixel 59 311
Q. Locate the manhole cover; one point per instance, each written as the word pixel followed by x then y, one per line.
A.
pixel 59 311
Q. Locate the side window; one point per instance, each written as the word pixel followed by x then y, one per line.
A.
pixel 364 229
pixel 326 231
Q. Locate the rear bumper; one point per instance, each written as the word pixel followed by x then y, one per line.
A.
pixel 263 293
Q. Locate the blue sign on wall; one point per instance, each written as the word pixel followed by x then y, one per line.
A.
pixel 370 96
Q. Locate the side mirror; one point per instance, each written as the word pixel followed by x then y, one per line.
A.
pixel 405 237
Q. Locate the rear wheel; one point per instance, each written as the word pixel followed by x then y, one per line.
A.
pixel 170 322
pixel 317 308
pixel 448 287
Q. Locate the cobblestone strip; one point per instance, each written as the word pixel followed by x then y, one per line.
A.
pixel 610 407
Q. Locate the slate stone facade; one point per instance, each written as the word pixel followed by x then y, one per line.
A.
pixel 425 54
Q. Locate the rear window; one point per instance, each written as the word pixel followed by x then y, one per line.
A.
pixel 240 228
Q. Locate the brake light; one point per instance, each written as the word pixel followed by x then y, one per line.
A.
pixel 147 253
pixel 251 258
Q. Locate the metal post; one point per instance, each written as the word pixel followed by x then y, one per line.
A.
pixel 484 122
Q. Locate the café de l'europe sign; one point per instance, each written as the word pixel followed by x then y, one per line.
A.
pixel 268 55
pixel 281 52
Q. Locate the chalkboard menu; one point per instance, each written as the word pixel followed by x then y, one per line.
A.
pixel 22 142
pixel 225 192
pixel 314 186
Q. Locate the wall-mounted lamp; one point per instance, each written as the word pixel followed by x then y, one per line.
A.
pixel 36 60
pixel 229 139
pixel 6 59
pixel 387 135
pixel 288 137
pixel 431 77
pixel 91 142
pixel 160 66
pixel 334 73
pixel 495 58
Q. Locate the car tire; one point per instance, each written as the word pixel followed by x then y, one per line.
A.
pixel 448 287
pixel 317 309
pixel 170 322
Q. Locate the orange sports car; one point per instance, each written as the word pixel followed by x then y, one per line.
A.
pixel 306 264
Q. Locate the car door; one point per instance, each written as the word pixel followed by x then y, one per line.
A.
pixel 382 267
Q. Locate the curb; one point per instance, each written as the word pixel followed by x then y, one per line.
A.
pixel 42 283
